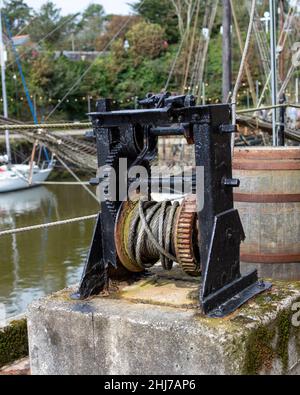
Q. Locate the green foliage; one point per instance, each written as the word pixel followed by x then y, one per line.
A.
pixel 89 28
pixel 118 73
pixel 159 12
pixel 52 78
pixel 42 73
pixel 116 27
pixel 213 75
pixel 18 13
pixel 93 11
pixel 48 27
pixel 145 40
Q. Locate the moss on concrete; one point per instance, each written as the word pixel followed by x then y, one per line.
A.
pixel 284 323
pixel 296 333
pixel 266 344
pixel 259 352
pixel 13 342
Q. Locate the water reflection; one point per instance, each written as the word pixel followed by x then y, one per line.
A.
pixel 37 263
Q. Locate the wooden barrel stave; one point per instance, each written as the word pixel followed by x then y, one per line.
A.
pixel 269 204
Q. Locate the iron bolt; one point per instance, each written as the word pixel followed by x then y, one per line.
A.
pixel 229 234
pixel 231 182
pixel 94 182
pixel 228 129
pixel 261 283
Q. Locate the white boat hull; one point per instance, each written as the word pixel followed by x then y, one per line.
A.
pixel 18 179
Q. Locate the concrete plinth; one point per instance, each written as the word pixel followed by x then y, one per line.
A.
pixel 155 327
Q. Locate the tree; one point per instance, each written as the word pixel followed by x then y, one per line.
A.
pixel 90 27
pixel 160 12
pixel 49 27
pixel 18 13
pixel 184 12
pixel 42 74
pixel 116 27
pixel 93 11
pixel 145 41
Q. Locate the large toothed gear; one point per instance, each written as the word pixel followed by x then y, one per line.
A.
pixel 185 237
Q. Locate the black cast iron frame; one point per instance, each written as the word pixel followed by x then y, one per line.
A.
pixel 223 289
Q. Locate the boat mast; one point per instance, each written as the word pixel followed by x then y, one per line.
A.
pixel 274 71
pixel 4 95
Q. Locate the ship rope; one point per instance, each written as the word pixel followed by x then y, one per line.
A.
pixel 89 68
pixel 47 225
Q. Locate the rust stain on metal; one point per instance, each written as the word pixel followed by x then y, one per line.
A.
pixel 121 235
pixel 184 237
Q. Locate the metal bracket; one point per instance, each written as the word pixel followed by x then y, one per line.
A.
pixel 224 289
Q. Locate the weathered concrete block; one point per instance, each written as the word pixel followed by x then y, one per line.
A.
pixel 155 327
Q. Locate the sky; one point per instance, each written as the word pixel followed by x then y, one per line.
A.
pixel 73 6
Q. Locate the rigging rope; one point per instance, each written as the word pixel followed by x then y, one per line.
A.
pixel 77 178
pixel 47 225
pixel 77 82
pixel 197 59
pixel 241 70
pixel 283 36
pixel 26 26
pixel 184 36
pixel 40 127
pixel 247 68
pixel 174 63
pixel 86 125
pixel 191 47
pixel 200 73
pixel 45 37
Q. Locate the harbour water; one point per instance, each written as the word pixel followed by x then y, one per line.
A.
pixel 37 263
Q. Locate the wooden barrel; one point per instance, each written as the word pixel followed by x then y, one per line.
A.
pixel 269 203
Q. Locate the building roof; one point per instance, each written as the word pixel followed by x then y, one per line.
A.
pixel 21 40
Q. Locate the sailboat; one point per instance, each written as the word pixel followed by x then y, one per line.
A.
pixel 17 177
pixel 14 177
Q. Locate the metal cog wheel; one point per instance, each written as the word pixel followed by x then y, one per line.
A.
pixel 185 237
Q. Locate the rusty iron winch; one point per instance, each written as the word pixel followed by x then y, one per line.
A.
pixel 132 235
pixel 162 232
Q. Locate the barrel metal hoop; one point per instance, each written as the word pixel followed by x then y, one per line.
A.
pixel 267 197
pixel 267 154
pixel 266 165
pixel 270 258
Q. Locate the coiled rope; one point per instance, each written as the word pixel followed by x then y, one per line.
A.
pixel 151 232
